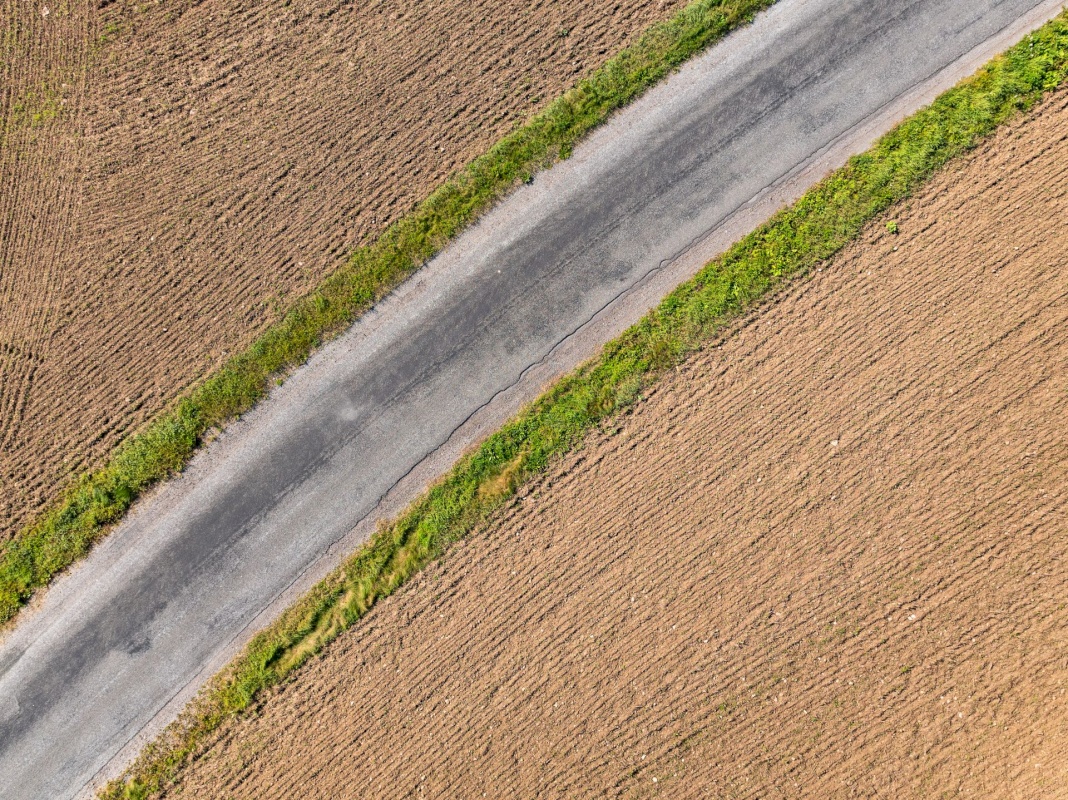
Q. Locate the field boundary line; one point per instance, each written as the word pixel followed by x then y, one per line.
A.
pixel 823 221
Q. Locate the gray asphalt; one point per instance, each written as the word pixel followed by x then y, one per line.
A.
pixel 182 579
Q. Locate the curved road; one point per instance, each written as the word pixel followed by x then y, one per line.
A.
pixel 116 644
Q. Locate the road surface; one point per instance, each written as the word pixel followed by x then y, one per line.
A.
pixel 119 643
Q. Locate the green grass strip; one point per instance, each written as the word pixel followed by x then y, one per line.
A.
pixel 791 243
pixel 85 512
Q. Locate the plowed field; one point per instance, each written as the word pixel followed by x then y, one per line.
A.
pixel 171 174
pixel 825 558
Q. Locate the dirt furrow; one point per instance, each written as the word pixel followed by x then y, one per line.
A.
pixel 45 54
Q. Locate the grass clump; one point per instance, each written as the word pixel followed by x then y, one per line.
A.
pixel 829 216
pixel 79 518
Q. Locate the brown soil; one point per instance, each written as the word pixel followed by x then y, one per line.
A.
pixel 827 558
pixel 215 158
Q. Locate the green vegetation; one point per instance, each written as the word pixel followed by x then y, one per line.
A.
pixel 790 244
pixel 86 510
pixel 36 107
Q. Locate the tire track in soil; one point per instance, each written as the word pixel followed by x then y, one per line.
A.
pixel 226 156
pixel 824 559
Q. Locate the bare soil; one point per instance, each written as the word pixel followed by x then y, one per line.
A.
pixel 826 558
pixel 173 174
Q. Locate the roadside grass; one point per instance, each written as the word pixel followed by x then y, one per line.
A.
pixel 794 241
pixel 84 513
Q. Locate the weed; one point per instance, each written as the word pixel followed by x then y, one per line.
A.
pixel 110 30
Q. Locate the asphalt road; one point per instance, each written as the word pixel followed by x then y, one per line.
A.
pixel 180 582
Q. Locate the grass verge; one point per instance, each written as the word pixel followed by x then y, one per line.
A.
pixel 85 512
pixel 814 229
